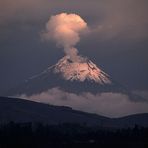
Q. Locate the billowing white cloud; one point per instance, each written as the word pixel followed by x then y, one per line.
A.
pixel 107 104
pixel 65 30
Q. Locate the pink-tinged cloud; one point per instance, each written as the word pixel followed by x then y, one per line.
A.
pixel 111 19
pixel 107 104
pixel 65 30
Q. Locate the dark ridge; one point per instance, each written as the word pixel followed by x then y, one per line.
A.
pixel 19 110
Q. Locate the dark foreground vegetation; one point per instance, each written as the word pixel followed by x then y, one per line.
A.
pixel 28 135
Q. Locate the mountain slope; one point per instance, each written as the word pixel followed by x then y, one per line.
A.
pixel 19 110
pixel 75 77
pixel 81 71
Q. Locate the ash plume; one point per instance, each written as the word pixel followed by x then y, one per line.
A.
pixel 65 30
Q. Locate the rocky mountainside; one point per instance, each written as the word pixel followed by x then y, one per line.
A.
pixel 81 71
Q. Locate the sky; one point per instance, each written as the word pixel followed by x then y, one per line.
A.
pixel 117 42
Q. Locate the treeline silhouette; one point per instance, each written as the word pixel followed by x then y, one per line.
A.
pixel 30 135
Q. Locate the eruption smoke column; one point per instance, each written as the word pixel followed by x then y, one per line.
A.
pixel 65 30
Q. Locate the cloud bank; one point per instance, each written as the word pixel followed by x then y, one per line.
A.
pixel 107 104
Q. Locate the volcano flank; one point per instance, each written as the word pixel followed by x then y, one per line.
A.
pixel 70 76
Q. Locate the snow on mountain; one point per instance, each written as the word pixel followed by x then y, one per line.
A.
pixel 81 70
pixel 77 77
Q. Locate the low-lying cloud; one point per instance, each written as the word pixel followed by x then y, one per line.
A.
pixel 107 104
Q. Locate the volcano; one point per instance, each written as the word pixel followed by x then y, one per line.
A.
pixel 81 70
pixel 77 77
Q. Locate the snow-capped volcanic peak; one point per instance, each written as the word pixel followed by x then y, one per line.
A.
pixel 81 70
